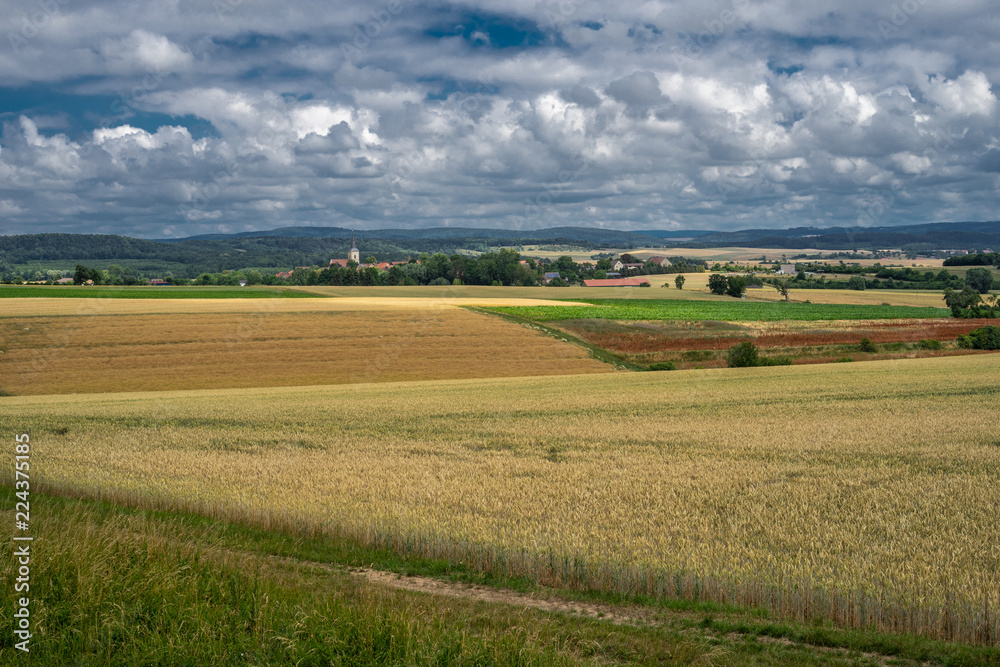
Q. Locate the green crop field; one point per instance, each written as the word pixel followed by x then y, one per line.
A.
pixel 147 292
pixel 732 311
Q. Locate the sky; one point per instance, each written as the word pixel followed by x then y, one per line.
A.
pixel 181 117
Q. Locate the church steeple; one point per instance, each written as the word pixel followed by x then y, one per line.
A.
pixel 353 255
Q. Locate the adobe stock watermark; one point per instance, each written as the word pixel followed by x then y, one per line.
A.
pixel 405 166
pixel 876 205
pixel 715 28
pixel 898 17
pixel 757 159
pixel 34 22
pixel 535 207
pixel 371 29
pixel 219 182
pixel 22 540
pixel 127 103
pixel 559 11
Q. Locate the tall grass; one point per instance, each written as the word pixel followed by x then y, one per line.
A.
pixel 113 588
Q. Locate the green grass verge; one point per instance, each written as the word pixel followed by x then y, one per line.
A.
pixel 149 292
pixel 115 585
pixel 730 311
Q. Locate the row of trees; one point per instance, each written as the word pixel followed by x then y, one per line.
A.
pixel 113 275
pixel 503 267
pixel 980 279
pixel 975 259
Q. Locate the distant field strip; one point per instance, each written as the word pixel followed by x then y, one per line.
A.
pixel 55 306
pixel 864 492
pixel 732 311
pixel 84 354
pixel 147 292
pixel 932 299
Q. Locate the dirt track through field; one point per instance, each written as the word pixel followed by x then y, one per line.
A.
pixel 635 615
pixel 632 615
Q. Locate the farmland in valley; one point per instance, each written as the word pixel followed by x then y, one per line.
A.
pixel 725 505
pixel 859 493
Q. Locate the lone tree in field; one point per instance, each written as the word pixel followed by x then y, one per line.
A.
pixel 736 286
pixel 856 283
pixel 979 279
pixel 717 284
pixel 968 303
pixel 679 281
pixel 781 286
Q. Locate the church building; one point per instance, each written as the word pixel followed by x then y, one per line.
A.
pixel 353 255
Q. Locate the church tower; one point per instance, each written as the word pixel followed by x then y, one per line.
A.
pixel 354 255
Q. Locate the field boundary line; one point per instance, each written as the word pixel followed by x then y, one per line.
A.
pixel 597 353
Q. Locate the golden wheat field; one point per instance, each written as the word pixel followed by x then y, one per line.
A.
pixel 357 298
pixel 864 493
pixel 152 352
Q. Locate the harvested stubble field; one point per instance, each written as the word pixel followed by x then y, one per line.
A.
pixel 83 353
pixel 355 302
pixel 147 292
pixel 862 493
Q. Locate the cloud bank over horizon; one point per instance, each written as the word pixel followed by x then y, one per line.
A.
pixel 179 118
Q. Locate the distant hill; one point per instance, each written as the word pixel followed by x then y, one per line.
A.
pixel 277 249
pixel 676 234
pixel 606 237
pixel 280 249
pixel 926 237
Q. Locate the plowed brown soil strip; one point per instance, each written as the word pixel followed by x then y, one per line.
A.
pixel 782 335
pixel 86 354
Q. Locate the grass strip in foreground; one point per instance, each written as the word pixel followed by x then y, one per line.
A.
pixel 731 311
pixel 118 585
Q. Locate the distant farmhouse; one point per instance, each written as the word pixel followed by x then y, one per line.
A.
pixel 787 269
